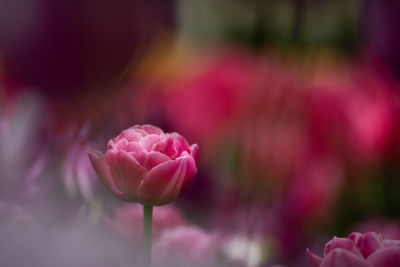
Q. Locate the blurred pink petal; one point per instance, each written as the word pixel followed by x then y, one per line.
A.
pixel 359 250
pixel 343 243
pixel 369 243
pixel 166 181
pixel 387 257
pixel 126 173
pixel 314 260
pixel 343 258
pixel 184 246
pixel 12 214
pixel 103 171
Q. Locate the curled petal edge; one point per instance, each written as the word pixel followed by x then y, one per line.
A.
pixel 194 149
pixel 103 171
pixel 313 259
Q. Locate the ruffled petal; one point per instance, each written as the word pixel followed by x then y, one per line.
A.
pixel 121 144
pixel 387 257
pixel 134 147
pixel 151 129
pixel 103 171
pixel 195 152
pixel 191 171
pixel 138 129
pixel 148 141
pixel 343 258
pixel 165 146
pixel 126 172
pixel 164 183
pixel 355 236
pixel 180 144
pixel 343 243
pixel 314 260
pixel 131 135
pixel 369 243
pixel 155 158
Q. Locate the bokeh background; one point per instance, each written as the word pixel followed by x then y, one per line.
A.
pixel 295 105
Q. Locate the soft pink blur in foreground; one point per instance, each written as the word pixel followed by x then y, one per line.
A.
pixel 143 164
pixel 358 250
pixel 185 246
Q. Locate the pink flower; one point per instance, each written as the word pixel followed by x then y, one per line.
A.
pixel 144 164
pixel 78 173
pixel 184 246
pixel 13 214
pixel 358 250
pixel 207 97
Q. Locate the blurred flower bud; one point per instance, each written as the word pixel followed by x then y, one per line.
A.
pixel 358 250
pixel 78 172
pixel 184 246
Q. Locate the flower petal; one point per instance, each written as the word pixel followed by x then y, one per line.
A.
pixel 195 152
pixel 165 146
pixel 134 147
pixel 150 129
pixel 154 159
pixel 180 144
pixel 126 172
pixel 131 135
pixel 138 129
pixel 369 243
pixel 148 141
pixel 313 259
pixel 355 236
pixel 343 258
pixel 164 183
pixel 103 171
pixel 191 171
pixel 121 144
pixel 387 257
pixel 343 243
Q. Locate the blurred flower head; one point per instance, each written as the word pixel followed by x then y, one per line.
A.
pixel 78 173
pixel 358 250
pixel 185 246
pixel 12 215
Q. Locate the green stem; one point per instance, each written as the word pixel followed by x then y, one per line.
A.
pixel 147 234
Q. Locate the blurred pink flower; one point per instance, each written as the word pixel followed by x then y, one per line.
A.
pixel 204 102
pixel 185 246
pixel 313 190
pixel 144 164
pixel 128 220
pixel 358 250
pixel 13 214
pixel 357 119
pixel 78 172
pixel 24 156
pixel 372 116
